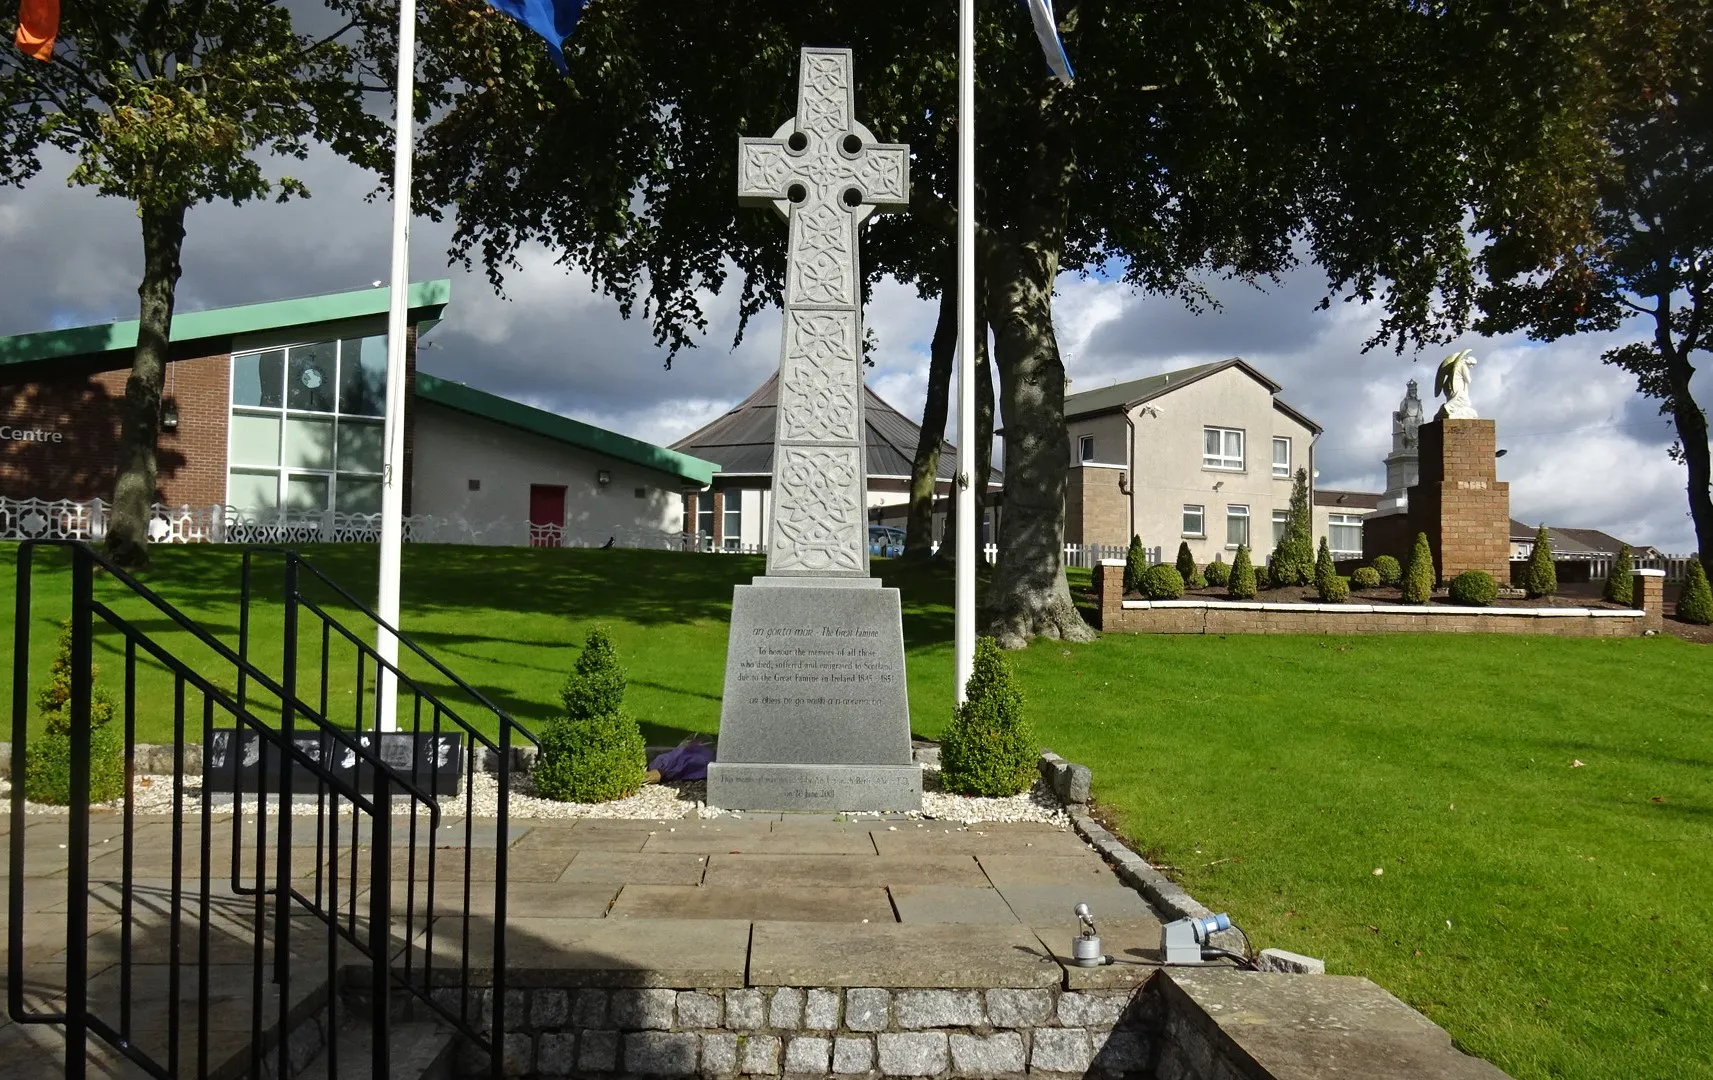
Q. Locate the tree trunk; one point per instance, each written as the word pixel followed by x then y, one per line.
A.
pixel 924 471
pixel 134 486
pixel 983 415
pixel 1692 434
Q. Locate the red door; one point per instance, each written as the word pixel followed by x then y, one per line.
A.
pixel 546 515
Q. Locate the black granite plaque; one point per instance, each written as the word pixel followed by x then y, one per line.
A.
pixel 234 761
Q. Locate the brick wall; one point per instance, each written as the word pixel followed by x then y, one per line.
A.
pixel 84 410
pixel 1460 503
pixel 1096 511
pixel 1225 617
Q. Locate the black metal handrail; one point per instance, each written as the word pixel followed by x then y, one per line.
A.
pixel 468 1018
pixel 376 945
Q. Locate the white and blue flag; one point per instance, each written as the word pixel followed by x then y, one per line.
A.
pixel 1047 29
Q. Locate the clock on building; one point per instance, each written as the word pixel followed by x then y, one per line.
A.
pixel 311 378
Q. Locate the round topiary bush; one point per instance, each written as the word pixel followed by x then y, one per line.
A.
pixel 1696 603
pixel 1419 579
pixel 1365 577
pixel 1242 585
pixel 1218 574
pixel 1388 569
pixel 990 747
pixel 1162 583
pixel 1333 589
pixel 594 753
pixel 1475 588
pixel 47 769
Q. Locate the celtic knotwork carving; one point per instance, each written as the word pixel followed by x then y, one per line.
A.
pixel 821 260
pixel 824 107
pixel 818 515
pixel 818 384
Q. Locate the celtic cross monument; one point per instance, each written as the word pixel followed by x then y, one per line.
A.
pixel 815 715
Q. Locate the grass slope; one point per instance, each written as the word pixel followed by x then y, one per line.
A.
pixel 1551 917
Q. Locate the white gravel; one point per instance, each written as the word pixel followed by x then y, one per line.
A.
pixel 657 802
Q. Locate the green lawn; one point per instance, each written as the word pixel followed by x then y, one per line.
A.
pixel 1551 917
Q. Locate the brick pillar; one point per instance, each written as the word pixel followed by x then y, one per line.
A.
pixel 1460 503
pixel 1108 592
pixel 719 520
pixel 1649 596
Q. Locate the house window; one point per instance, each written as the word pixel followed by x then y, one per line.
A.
pixel 1236 525
pixel 1222 448
pixel 307 427
pixel 1085 448
pixel 1282 458
pixel 705 516
pixel 1195 520
pixel 1281 522
pixel 732 531
pixel 1344 535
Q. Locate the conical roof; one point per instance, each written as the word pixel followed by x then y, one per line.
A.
pixel 741 441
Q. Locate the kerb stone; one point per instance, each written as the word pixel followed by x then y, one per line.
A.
pixel 785 1011
pixel 852 1055
pixel 698 1010
pixel 660 1053
pixel 1019 1008
pixel 761 1055
pixel 821 1010
pixel 744 1010
pixel 719 1055
pixel 649 1010
pixel 1060 1050
pixel 808 1055
pixel 939 1008
pixel 867 1009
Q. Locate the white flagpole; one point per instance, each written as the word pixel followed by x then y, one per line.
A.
pixel 393 480
pixel 969 507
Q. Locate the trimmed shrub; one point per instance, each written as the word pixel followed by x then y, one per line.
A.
pixel 1292 562
pixel 1186 562
pixel 1162 583
pixel 1390 572
pixel 1540 577
pixel 1333 589
pixel 990 749
pixel 1242 583
pixel 1323 568
pixel 594 753
pixel 1475 588
pixel 1365 577
pixel 1195 580
pixel 1419 578
pixel 1263 579
pixel 1218 574
pixel 1696 603
pixel 1135 561
pixel 47 771
pixel 1621 582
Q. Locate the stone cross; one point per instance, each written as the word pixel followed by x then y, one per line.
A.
pixel 825 174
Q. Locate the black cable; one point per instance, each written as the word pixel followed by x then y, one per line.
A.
pixel 1242 961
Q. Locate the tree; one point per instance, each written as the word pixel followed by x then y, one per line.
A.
pixel 1649 265
pixel 1135 562
pixel 165 104
pixel 1324 568
pixel 1241 584
pixel 1695 603
pixel 1293 561
pixel 1419 576
pixel 1540 576
pixel 1198 140
pixel 1621 579
pixel 595 751
pixel 989 748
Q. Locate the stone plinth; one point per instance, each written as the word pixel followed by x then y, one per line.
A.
pixel 816 714
pixel 1649 598
pixel 1460 503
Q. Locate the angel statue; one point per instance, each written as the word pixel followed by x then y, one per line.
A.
pixel 1453 381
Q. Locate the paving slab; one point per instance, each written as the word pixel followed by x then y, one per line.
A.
pixel 898 954
pixel 1298 1027
pixel 950 904
pixel 609 952
pixel 1132 947
pixel 1029 843
pixel 825 841
pixel 1081 869
pixel 796 904
pixel 525 899
pixel 1050 905
pixel 635 868
pixel 840 871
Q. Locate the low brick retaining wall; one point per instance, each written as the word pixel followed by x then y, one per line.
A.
pixel 1114 613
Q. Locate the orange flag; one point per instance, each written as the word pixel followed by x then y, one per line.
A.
pixel 38 25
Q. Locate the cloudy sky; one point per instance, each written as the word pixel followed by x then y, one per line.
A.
pixel 1584 450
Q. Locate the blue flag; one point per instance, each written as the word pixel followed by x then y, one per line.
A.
pixel 552 19
pixel 1047 29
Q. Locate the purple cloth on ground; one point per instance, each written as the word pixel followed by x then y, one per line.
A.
pixel 686 761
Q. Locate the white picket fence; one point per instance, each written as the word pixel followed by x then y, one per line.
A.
pixel 1676 567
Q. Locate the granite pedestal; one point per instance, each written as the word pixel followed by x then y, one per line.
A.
pixel 816 714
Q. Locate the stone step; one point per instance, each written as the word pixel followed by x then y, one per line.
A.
pixel 420 1050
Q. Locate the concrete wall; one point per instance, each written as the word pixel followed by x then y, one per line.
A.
pixel 1168 471
pixel 453 448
